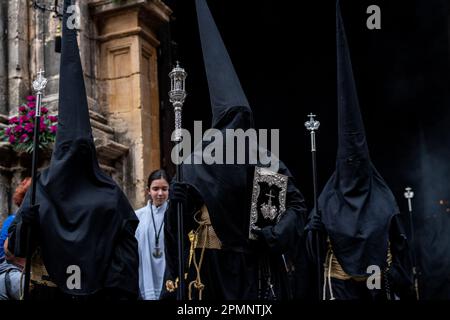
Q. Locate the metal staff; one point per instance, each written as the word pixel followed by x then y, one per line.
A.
pixel 38 86
pixel 312 125
pixel 409 194
pixel 177 95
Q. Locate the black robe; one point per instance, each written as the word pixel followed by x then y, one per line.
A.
pixel 231 273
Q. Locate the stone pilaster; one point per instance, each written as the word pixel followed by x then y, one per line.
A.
pixel 44 26
pixel 5 194
pixel 126 34
pixel 3 58
pixel 5 175
pixel 18 52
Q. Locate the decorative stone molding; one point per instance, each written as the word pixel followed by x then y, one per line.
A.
pixel 127 72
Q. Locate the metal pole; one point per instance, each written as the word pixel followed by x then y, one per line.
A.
pixel 312 125
pixel 181 286
pixel 38 85
pixel 409 194
pixel 179 177
pixel 177 95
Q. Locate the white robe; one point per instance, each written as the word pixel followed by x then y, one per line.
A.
pixel 151 269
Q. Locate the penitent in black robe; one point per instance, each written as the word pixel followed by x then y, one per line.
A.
pixel 233 272
pixel 85 220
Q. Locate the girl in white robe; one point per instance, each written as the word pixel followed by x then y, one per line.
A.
pixel 150 236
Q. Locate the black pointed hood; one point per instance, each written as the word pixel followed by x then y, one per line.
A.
pixel 352 138
pixel 228 100
pixel 73 117
pixel 356 203
pixel 85 218
pixel 224 188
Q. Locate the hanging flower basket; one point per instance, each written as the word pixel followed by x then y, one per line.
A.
pixel 20 131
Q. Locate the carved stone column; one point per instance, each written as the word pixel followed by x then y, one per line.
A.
pixel 18 52
pixel 5 191
pixel 127 71
pixel 3 55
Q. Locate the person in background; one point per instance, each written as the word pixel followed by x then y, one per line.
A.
pixel 150 236
pixel 10 266
pixel 18 196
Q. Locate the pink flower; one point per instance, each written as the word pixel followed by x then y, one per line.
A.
pixel 23 119
pixel 53 118
pixel 13 120
pixel 20 132
pixel 29 127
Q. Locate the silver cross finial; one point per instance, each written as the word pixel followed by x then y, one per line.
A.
pixel 40 83
pixel 312 124
pixel 409 194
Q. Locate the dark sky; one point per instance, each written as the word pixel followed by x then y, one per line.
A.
pixel 284 53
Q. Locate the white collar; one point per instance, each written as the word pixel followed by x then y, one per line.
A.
pixel 161 208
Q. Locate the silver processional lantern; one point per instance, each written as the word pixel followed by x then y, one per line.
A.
pixel 177 94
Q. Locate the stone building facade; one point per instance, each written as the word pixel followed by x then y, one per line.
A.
pixel 118 45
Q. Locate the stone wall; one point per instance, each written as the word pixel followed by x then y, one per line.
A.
pixel 118 46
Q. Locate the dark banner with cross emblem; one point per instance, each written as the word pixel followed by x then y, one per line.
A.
pixel 268 199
